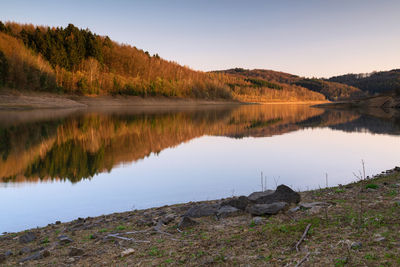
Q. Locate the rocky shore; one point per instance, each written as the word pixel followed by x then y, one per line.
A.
pixel 355 225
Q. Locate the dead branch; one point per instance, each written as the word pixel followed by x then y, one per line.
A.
pixel 303 259
pixel 303 236
pixel 127 238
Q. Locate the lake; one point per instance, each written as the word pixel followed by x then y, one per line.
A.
pixel 64 164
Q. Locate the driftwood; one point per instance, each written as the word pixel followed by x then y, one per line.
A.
pixel 302 237
pixel 303 260
pixel 156 229
pixel 127 238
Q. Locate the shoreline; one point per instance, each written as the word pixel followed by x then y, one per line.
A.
pixel 14 100
pixel 153 236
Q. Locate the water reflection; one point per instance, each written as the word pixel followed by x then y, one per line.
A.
pixel 75 145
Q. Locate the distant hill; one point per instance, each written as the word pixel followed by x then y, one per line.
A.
pixel 372 83
pixel 77 61
pixel 331 90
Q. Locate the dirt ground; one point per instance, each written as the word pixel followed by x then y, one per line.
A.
pixel 12 99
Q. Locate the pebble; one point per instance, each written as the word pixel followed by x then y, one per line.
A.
pixel 71 260
pixel 258 220
pixel 8 253
pixel 380 239
pixel 356 245
pixel 75 252
pixel 127 252
pixel 64 239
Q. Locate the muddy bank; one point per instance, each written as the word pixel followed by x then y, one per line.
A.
pixel 355 225
pixel 35 100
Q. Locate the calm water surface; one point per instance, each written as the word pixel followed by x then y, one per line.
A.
pixel 65 164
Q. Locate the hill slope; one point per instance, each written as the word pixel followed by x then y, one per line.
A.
pixel 375 82
pixel 331 90
pixel 77 61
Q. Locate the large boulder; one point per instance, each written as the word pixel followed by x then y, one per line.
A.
pixel 186 222
pixel 202 210
pixel 236 202
pixel 282 193
pixel 227 211
pixel 266 209
pixel 27 237
pixel 256 195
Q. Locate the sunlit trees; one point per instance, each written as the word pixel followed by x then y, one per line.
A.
pixel 80 62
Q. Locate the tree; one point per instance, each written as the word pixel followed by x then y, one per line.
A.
pixel 3 69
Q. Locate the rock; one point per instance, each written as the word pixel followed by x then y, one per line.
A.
pixel 127 252
pixel 2 258
pixel 281 194
pixel 257 220
pixel 45 253
pixel 58 222
pixel 315 210
pixel 356 245
pixel 237 202
pixel 379 238
pixel 158 226
pixel 256 195
pixel 8 253
pixel 166 219
pixel 226 211
pixel 297 208
pixel 75 252
pixel 202 210
pixel 71 260
pixel 266 209
pixel 27 237
pixel 24 250
pixel 186 222
pixel 146 221
pixel 64 239
pixel 37 256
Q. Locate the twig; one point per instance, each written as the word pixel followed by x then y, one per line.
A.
pixel 127 238
pixel 303 236
pixel 303 259
pixel 137 232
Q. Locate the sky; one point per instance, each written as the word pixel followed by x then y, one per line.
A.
pixel 304 37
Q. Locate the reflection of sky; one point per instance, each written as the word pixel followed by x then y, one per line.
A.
pixel 204 168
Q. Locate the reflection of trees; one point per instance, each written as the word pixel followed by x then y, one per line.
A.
pixel 80 146
pixel 67 161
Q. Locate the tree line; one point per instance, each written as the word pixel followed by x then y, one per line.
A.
pixel 77 61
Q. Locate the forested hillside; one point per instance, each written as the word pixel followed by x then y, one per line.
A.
pixel 331 90
pixel 77 61
pixel 373 83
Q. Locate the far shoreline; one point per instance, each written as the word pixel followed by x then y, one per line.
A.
pixel 15 100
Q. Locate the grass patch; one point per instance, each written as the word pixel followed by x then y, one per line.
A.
pixel 120 228
pixel 372 186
